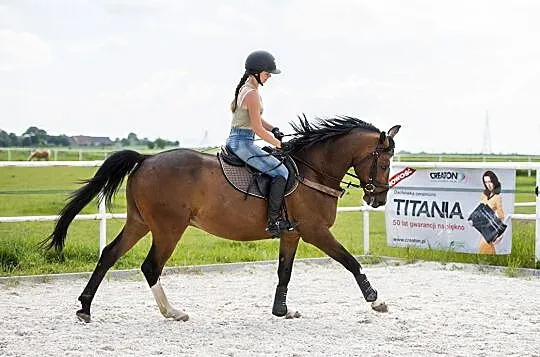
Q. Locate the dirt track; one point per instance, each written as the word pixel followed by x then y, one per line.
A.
pixel 434 310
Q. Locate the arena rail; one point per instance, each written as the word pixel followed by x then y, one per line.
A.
pixel 103 216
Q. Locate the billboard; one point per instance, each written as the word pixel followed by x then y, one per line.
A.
pixel 462 210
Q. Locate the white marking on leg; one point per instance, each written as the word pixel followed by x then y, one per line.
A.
pixel 163 304
pixel 379 305
pixel 377 302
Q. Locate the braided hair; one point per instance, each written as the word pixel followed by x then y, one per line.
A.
pixel 243 80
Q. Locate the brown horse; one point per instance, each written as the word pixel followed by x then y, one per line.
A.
pixel 171 190
pixel 39 154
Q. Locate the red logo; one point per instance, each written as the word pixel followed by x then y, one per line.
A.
pixel 403 174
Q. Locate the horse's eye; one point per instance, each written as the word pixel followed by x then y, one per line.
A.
pixel 384 167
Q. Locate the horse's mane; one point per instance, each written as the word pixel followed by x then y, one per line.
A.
pixel 309 134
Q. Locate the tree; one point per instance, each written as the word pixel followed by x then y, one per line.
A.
pixel 4 139
pixel 132 138
pixel 160 143
pixel 14 140
pixel 34 136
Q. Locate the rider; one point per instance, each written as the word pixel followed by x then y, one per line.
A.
pixel 247 121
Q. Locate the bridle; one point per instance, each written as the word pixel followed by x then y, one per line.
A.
pixel 372 183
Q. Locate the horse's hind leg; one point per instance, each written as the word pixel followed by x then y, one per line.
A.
pixel 163 244
pixel 287 251
pixel 132 232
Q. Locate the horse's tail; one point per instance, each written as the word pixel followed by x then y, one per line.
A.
pixel 107 180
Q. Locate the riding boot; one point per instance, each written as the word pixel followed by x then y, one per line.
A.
pixel 276 224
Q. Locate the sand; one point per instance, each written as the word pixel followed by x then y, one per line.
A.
pixel 435 310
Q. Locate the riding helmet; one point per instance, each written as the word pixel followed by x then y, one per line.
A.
pixel 261 61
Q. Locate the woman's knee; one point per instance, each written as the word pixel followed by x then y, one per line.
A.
pixel 281 171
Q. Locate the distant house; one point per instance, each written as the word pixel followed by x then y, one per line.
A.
pixel 82 140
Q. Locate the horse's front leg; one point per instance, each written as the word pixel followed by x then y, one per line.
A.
pixel 287 251
pixel 325 241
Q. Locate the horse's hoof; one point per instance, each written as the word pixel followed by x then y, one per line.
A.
pixel 379 306
pixel 181 317
pixel 292 314
pixel 177 315
pixel 83 316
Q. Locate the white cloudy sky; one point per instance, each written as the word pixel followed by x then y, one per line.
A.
pixel 168 68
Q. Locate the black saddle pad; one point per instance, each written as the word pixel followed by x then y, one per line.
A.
pixel 249 180
pixel 486 222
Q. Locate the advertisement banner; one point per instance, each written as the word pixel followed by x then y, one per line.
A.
pixel 461 210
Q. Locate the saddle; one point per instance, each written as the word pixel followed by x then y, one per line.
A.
pixel 248 179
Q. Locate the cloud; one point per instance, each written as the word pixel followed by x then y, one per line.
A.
pixel 347 20
pixel 108 42
pixel 134 7
pixel 22 50
pixel 160 84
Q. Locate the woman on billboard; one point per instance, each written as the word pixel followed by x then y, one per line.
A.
pixel 488 217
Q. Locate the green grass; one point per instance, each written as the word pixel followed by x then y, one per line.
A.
pixel 43 191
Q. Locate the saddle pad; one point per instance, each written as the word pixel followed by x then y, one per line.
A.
pixel 241 178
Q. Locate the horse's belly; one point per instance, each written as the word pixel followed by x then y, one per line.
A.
pixel 230 225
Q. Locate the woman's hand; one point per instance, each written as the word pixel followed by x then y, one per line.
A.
pixel 277 133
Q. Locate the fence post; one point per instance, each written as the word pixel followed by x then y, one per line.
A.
pixel 366 230
pixel 102 225
pixel 537 236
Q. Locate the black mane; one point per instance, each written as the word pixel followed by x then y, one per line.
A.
pixel 309 134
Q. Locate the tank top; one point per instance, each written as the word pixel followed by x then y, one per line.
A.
pixel 240 118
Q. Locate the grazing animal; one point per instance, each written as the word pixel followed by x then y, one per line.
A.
pixel 39 154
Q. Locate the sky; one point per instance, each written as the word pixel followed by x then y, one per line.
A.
pixel 168 68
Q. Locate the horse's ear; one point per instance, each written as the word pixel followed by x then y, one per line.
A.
pixel 394 130
pixel 382 137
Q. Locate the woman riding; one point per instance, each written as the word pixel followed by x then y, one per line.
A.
pixel 247 121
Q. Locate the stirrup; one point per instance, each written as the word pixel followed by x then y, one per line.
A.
pixel 275 228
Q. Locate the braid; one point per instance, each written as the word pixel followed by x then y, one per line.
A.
pixel 240 84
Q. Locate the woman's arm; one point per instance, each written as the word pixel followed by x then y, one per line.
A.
pixel 498 207
pixel 267 125
pixel 253 105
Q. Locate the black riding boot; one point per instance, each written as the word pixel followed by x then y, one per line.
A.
pixel 276 224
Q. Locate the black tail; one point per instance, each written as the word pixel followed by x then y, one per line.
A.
pixel 107 180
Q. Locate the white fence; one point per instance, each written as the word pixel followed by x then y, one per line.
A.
pixel 103 216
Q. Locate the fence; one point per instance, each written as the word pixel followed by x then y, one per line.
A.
pixel 103 216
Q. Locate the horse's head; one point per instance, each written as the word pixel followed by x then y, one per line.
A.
pixel 374 169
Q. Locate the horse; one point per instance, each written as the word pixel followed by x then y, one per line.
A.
pixel 171 190
pixel 39 154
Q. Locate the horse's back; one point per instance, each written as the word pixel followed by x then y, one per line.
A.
pixel 178 168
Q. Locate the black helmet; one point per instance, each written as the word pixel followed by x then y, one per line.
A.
pixel 261 61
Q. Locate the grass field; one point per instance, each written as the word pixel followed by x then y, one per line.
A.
pixel 43 191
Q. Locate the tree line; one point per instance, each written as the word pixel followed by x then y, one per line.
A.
pixel 36 137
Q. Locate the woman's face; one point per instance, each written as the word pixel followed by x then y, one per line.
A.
pixel 264 76
pixel 487 182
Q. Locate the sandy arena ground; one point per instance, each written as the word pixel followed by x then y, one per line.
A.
pixel 435 310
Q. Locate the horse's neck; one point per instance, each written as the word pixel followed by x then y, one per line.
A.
pixel 329 160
